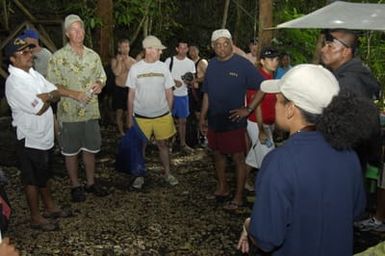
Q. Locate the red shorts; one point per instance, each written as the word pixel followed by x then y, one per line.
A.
pixel 229 142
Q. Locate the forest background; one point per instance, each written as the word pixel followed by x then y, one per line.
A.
pixel 193 20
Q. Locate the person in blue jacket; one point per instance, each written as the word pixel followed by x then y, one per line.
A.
pixel 310 190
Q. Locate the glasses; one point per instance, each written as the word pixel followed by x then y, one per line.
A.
pixel 329 38
pixel 24 52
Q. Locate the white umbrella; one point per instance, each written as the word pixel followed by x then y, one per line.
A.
pixel 340 14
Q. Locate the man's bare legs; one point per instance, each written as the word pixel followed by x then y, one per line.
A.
pixel 239 160
pixel 182 133
pixel 164 155
pixel 165 160
pixel 89 166
pixel 220 169
pixel 48 202
pixel 119 121
pixel 72 165
pixel 32 196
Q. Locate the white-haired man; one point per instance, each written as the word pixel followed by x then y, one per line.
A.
pixel 78 68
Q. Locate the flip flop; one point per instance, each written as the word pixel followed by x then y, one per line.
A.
pixel 232 206
pixel 66 213
pixel 218 198
pixel 49 226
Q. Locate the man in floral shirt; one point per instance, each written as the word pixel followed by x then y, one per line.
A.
pixel 78 68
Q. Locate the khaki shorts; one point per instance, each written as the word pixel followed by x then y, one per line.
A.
pixel 78 136
pixel 161 127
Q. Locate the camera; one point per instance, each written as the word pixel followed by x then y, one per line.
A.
pixel 188 77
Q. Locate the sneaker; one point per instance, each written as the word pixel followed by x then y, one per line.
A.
pixel 97 190
pixel 77 194
pixel 171 180
pixel 138 183
pixel 370 224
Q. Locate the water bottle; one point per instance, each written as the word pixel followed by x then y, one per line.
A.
pixel 268 143
pixel 89 94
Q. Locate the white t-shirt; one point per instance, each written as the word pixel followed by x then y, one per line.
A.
pixel 21 90
pixel 150 80
pixel 179 68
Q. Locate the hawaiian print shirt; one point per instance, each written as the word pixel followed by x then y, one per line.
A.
pixel 76 72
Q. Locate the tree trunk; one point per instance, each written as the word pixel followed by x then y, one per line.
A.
pixel 237 23
pixel 265 21
pixel 104 10
pixel 225 13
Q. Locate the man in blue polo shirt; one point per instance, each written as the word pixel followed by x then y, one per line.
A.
pixel 227 78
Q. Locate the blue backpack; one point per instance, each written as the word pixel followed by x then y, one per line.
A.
pixel 130 157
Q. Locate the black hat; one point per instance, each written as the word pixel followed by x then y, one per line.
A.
pixel 16 45
pixel 269 53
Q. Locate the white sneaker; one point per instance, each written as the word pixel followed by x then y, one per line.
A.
pixel 138 183
pixel 370 224
pixel 171 180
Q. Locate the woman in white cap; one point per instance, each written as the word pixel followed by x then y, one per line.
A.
pixel 310 190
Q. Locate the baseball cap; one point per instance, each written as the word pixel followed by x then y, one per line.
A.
pixel 16 45
pixel 310 87
pixel 268 53
pixel 220 33
pixel 70 19
pixel 153 42
pixel 29 33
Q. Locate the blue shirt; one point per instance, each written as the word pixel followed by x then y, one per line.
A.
pixel 226 83
pixel 307 196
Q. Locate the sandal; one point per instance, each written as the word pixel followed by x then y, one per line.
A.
pixel 48 226
pixel 232 206
pixel 218 198
pixel 66 213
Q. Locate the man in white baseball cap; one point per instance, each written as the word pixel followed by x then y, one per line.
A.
pixel 309 190
pixel 227 78
pixel 150 100
pixel 80 131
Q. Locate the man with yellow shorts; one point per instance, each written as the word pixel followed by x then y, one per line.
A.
pixel 150 100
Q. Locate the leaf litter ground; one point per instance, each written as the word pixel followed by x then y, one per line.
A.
pixel 158 220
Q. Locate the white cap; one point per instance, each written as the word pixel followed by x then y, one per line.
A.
pixel 310 87
pixel 70 19
pixel 220 33
pixel 153 42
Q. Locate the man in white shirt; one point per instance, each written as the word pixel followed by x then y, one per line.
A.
pixel 180 65
pixel 29 95
pixel 150 101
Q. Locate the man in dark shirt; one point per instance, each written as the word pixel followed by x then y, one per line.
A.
pixel 227 78
pixel 338 54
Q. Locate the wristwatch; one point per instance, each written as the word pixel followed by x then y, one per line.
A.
pixel 249 109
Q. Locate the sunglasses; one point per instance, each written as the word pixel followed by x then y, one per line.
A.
pixel 329 38
pixel 24 52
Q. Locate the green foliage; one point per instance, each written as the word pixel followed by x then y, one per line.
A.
pixel 87 11
pixel 299 43
pixel 372 50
